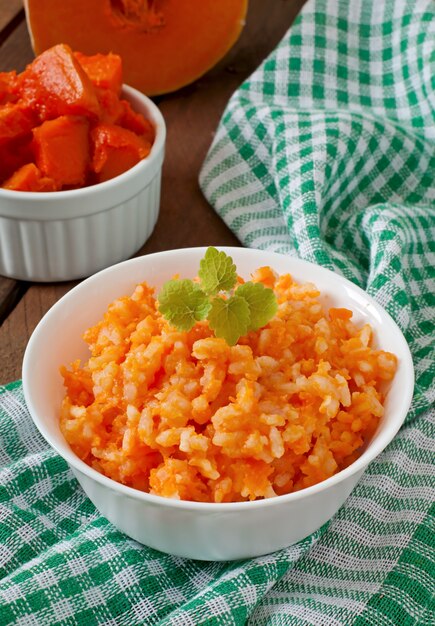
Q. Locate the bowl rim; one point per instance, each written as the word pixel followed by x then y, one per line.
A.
pixel 53 197
pixel 373 449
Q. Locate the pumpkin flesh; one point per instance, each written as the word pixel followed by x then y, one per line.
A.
pixel 164 44
pixel 62 150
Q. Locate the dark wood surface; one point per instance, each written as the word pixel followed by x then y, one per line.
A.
pixel 192 115
pixel 10 14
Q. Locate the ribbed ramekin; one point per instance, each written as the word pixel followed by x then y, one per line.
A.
pixel 66 235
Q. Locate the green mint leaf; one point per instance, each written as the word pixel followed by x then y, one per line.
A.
pixel 229 318
pixel 182 303
pixel 217 272
pixel 261 301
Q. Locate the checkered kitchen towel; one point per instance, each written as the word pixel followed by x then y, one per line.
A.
pixel 327 152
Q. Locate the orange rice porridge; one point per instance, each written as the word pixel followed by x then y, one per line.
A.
pixel 184 415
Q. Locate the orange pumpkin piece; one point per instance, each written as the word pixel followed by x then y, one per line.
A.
pixel 104 70
pixel 29 178
pixel 16 120
pixel 62 150
pixel 14 154
pixel 56 84
pixel 8 87
pixel 135 122
pixel 119 112
pixel 110 106
pixel 115 150
pixel 164 44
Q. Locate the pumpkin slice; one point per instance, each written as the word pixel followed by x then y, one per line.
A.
pixel 56 84
pixel 164 44
pixel 29 178
pixel 61 149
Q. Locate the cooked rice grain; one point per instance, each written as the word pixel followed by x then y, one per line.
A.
pixel 184 415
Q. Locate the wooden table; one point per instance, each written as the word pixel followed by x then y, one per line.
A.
pixel 191 114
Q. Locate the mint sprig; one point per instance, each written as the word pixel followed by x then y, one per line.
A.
pixel 229 318
pixel 232 311
pixel 261 301
pixel 217 272
pixel 182 303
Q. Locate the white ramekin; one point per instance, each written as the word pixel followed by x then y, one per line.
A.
pixel 65 235
pixel 194 529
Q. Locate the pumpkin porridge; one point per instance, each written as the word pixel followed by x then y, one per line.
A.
pixel 183 414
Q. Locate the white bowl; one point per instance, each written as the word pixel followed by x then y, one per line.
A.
pixel 64 235
pixel 192 529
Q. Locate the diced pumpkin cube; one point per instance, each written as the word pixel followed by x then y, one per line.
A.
pixel 115 150
pixel 29 178
pixel 56 84
pixel 62 149
pixel 16 120
pixel 8 87
pixel 104 70
pixel 110 106
pixel 14 154
pixel 135 122
pixel 117 161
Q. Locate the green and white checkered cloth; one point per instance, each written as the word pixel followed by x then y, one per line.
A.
pixel 326 152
